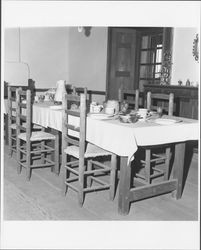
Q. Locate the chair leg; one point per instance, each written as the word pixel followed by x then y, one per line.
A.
pixel 89 168
pixel 148 165
pixel 167 164
pixel 28 162
pixel 56 154
pixel 9 143
pixel 113 176
pixel 19 166
pixel 65 175
pixel 42 154
pixel 81 183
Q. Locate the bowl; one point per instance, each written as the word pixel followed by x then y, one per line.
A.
pixel 128 118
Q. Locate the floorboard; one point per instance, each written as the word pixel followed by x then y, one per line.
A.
pixel 41 199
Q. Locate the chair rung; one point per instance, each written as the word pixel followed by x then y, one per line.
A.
pixel 72 163
pixel 96 171
pixel 158 170
pixel 42 151
pixel 98 180
pixel 71 186
pixel 71 179
pixel 95 188
pixel 42 165
pixel 100 165
pixel 156 175
pixel 22 151
pixel 72 170
pixel 140 176
pixel 24 165
pixel 154 160
pixel 159 156
pixel 49 161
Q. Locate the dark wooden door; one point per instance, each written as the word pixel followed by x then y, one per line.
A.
pixel 122 59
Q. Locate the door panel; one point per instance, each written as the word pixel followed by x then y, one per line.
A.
pixel 122 61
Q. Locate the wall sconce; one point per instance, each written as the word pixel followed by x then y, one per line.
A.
pixel 86 29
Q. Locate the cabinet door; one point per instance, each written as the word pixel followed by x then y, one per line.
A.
pixel 121 60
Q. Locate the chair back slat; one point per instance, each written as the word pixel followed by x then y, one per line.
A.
pixel 72 127
pixel 12 105
pixel 166 101
pixel 23 112
pixel 73 113
pixel 72 141
pixel 131 97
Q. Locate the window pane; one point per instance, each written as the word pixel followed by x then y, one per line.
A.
pixel 146 71
pixel 145 42
pixel 159 55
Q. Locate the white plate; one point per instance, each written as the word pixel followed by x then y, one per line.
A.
pixel 56 107
pixel 165 121
pixel 100 116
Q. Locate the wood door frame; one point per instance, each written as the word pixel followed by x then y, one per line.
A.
pixel 167 44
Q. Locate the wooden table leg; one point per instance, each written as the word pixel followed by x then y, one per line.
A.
pixel 178 168
pixel 124 186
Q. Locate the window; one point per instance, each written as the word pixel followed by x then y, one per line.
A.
pixel 150 58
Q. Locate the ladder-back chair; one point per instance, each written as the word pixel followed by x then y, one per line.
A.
pixel 79 158
pixel 131 97
pixel 32 145
pixel 165 101
pixel 11 120
pixel 157 163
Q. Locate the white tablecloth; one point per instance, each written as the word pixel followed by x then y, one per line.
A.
pixel 119 138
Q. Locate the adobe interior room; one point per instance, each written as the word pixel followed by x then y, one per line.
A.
pixel 115 71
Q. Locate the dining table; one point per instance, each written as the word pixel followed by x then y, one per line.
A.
pixel 124 139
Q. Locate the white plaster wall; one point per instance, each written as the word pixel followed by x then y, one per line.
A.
pixel 56 53
pixel 184 65
pixel 88 58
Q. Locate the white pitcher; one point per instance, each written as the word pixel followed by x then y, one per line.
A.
pixel 113 104
pixel 61 88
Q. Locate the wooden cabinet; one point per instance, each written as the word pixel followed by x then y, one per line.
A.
pixel 186 98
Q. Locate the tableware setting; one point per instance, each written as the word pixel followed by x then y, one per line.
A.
pixel 129 118
pixel 143 113
pixel 112 104
pixel 95 107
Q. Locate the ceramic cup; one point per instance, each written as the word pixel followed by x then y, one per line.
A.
pixel 109 111
pixel 97 109
pixel 143 113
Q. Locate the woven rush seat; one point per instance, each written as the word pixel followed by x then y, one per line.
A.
pixel 92 151
pixel 35 126
pixel 37 136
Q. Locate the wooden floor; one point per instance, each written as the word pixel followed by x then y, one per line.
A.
pixel 41 199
